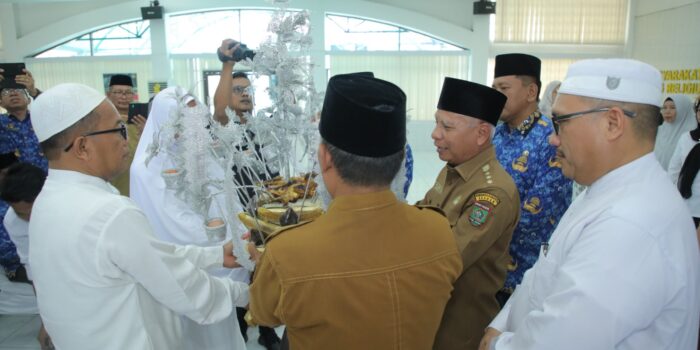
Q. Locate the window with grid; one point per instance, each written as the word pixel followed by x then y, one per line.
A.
pixel 561 21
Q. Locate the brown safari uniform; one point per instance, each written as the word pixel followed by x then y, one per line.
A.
pixel 121 182
pixel 371 273
pixel 482 205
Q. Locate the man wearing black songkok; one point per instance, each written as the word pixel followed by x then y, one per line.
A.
pixel 481 203
pixel 372 272
pixel 121 94
pixel 522 147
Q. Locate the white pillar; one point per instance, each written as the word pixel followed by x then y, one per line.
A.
pixel 160 57
pixel 481 49
pixel 9 52
pixel 318 47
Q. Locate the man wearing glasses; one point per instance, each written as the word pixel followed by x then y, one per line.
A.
pixel 102 279
pixel 522 149
pixel 621 270
pixel 234 100
pixel 121 94
pixel 17 137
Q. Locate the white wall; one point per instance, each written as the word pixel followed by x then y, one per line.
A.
pixel 667 33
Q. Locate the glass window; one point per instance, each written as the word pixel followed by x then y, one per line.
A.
pixel 202 32
pixel 254 27
pixel 124 39
pixel 358 34
pixel 74 48
pixel 412 41
pixel 132 38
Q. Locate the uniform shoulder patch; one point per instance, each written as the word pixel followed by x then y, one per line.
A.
pixel 479 214
pixel 487 197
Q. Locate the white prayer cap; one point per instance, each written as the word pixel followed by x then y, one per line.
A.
pixel 615 79
pixel 62 106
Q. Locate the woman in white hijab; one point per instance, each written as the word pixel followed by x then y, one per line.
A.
pixel 174 221
pixel 550 94
pixel 678 120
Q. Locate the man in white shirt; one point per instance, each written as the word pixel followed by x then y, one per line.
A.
pixel 621 269
pixel 20 184
pixel 102 280
pixel 19 187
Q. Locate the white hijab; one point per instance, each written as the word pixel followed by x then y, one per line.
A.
pixel 171 218
pixel 669 133
pixel 546 101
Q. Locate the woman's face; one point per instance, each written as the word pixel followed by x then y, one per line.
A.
pixel 669 111
pixel 697 111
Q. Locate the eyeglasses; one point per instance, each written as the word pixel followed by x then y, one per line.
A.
pixel 121 130
pixel 122 92
pixel 556 119
pixel 10 91
pixel 239 90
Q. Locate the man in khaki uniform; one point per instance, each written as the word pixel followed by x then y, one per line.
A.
pixel 121 94
pixel 373 272
pixel 481 203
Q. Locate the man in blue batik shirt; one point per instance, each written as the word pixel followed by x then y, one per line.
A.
pixel 17 137
pixel 523 150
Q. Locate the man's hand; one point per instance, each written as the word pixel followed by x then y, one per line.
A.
pixel 230 259
pixel 224 49
pixel 140 122
pixel 2 77
pixel 44 339
pixel 489 335
pixel 27 80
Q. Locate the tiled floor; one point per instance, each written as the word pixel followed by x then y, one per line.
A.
pixel 18 332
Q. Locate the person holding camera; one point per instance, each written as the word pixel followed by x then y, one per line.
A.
pixel 234 99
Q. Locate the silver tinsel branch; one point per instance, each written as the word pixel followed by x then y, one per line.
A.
pixel 285 131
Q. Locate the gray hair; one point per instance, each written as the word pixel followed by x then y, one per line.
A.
pixel 365 171
pixel 646 122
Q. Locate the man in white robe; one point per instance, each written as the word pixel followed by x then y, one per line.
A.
pixel 621 269
pixel 102 279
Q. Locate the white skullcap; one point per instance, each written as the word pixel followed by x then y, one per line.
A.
pixel 62 106
pixel 616 79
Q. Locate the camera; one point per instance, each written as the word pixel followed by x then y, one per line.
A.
pixel 241 53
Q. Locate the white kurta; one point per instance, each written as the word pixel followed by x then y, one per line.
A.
pixel 18 230
pixel 104 282
pixel 685 144
pixel 621 272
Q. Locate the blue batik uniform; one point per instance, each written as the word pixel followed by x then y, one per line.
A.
pixel 18 137
pixel 545 194
pixel 409 170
